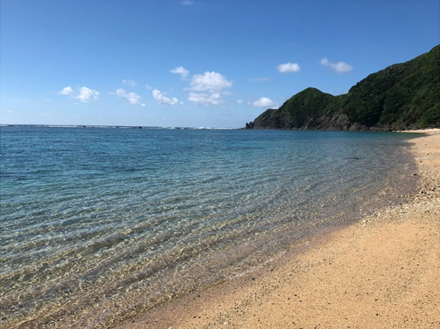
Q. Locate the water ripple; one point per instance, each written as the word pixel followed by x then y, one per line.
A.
pixel 120 220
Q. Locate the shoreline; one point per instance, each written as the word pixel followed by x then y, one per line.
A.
pixel 330 279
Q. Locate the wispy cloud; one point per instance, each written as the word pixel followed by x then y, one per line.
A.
pixel 130 83
pixel 148 87
pixel 265 102
pixel 288 67
pixel 84 95
pixel 162 99
pixel 339 67
pixel 205 99
pixel 258 79
pixel 133 98
pixel 15 99
pixel 180 70
pixel 187 2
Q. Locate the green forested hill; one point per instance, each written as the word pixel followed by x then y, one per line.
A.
pixel 402 96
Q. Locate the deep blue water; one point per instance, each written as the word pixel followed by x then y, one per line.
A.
pixel 120 219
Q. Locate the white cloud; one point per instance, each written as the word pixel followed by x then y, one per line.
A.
pixel 85 94
pixel 265 102
pixel 205 99
pixel 288 67
pixel 160 97
pixel 148 87
pixel 131 83
pixel 187 2
pixel 239 101
pixel 258 79
pixel 211 81
pixel 143 104
pixel 67 91
pixel 133 98
pixel 180 70
pixel 212 84
pixel 339 67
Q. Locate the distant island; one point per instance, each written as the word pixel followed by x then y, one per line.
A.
pixel 402 96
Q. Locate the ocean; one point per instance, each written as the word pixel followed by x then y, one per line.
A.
pixel 98 224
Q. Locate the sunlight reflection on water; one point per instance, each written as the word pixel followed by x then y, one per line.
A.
pixel 118 220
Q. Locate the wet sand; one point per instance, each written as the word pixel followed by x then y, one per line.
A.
pixel 382 272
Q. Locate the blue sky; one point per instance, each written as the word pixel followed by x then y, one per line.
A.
pixel 198 63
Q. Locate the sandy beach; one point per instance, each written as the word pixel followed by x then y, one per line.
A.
pixel 382 272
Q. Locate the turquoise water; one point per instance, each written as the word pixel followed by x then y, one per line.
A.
pixel 97 224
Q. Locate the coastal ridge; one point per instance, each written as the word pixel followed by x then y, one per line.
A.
pixel 400 97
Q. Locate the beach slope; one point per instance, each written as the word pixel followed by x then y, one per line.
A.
pixel 382 272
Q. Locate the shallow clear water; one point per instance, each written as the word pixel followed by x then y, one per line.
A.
pixel 97 224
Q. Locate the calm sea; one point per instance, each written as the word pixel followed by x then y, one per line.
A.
pixel 97 224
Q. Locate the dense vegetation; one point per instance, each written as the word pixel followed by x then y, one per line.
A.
pixel 402 96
